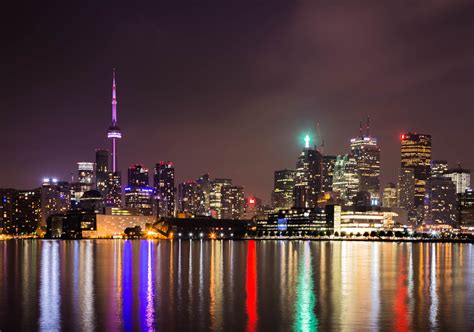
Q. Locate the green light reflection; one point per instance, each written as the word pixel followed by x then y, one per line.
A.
pixel 305 317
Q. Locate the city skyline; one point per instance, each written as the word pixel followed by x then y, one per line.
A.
pixel 252 115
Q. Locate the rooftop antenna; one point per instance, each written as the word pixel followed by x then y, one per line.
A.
pixel 368 126
pixel 360 128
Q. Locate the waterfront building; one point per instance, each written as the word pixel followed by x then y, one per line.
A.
pixel 389 199
pixel 215 196
pixel 101 170
pixel 27 211
pixel 439 167
pixel 297 221
pixel 253 207
pixel 346 178
pixel 366 152
pixel 85 176
pixel 55 197
pixel 284 183
pixel 164 188
pixel 329 162
pixel 7 197
pixel 460 177
pixel 416 154
pixel 141 199
pixel 138 176
pixel 440 202
pixel 233 202
pixel 308 177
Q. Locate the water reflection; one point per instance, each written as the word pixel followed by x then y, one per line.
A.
pixel 251 287
pixel 50 300
pixel 305 318
pixel 243 285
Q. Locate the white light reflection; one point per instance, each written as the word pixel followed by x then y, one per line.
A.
pixel 49 288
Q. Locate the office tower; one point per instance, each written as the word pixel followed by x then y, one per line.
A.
pixel 215 196
pixel 284 183
pixel 389 199
pixel 141 199
pixel 460 177
pixel 27 211
pixel 190 198
pixel 55 197
pixel 164 187
pixel 440 202
pixel 367 154
pixel 137 176
pixel 204 184
pixel 113 195
pixel 308 182
pixel 328 172
pixel 439 167
pixel 233 202
pixel 406 192
pixel 101 170
pixel 346 178
pixel 6 210
pixel 416 154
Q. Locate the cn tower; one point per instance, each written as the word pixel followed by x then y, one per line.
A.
pixel 114 132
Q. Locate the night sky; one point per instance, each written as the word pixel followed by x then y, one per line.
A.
pixel 229 87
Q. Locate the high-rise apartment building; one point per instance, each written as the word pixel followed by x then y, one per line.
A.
pixel 190 198
pixel 55 197
pixel 138 176
pixel 215 196
pixel 165 189
pixel 204 184
pixel 439 167
pixel 406 192
pixel 233 202
pixel 440 202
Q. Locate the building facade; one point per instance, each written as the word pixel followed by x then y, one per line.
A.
pixel 164 188
pixel 284 183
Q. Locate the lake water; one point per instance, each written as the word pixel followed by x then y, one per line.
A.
pixel 235 285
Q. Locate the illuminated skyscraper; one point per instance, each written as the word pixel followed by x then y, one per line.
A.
pixel 6 210
pixel 439 167
pixel 367 154
pixel 233 202
pixel 138 176
pixel 204 184
pixel 215 196
pixel 141 199
pixel 346 179
pixel 416 154
pixel 113 196
pixel 284 183
pixel 190 198
pixel 55 197
pixel 101 170
pixel 328 172
pixel 308 182
pixel 460 177
pixel 441 206
pixel 27 211
pixel 165 189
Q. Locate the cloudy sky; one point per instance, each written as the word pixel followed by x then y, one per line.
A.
pixel 228 87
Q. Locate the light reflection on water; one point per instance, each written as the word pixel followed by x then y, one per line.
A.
pixel 241 285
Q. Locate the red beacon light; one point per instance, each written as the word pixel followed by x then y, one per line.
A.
pixel 251 200
pixel 402 137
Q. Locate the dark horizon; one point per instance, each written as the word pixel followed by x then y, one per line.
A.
pixel 228 89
